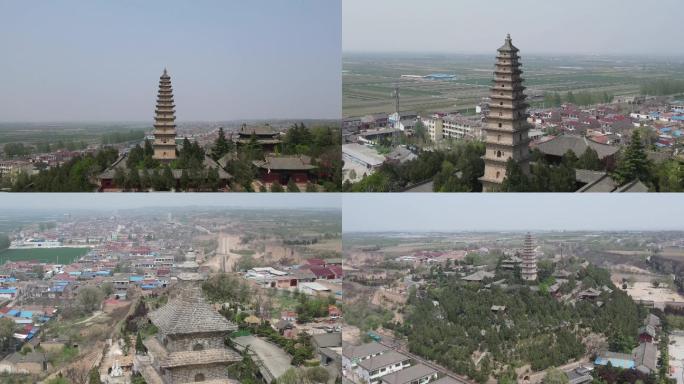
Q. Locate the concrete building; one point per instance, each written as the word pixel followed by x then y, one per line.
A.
pixel 372 370
pixel 440 127
pixel 361 159
pixel 353 354
pixel 507 127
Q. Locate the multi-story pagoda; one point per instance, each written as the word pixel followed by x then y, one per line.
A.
pixel 165 122
pixel 189 345
pixel 506 128
pixel 528 270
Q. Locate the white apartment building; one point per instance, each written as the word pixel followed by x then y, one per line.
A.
pixel 452 127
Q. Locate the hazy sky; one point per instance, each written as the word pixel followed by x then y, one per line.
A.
pixel 473 212
pixel 71 201
pixel 536 26
pixel 99 60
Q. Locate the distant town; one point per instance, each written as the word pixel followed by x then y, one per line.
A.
pixel 171 296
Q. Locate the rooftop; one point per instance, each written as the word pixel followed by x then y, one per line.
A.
pixel 387 358
pixel 189 313
pixel 358 351
pixel 409 375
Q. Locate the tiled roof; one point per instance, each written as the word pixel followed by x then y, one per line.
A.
pixel 189 313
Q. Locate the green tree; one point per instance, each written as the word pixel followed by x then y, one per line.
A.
pixel 94 376
pixel 555 376
pixel 589 160
pixel 119 177
pixel 7 328
pixel 4 241
pixel 139 346
pixel 292 186
pixel 184 180
pixel 145 180
pixel 148 149
pixel 221 145
pixel 516 180
pixel 634 163
pixel 89 298
pixel 169 182
pixel 276 187
pixel 133 179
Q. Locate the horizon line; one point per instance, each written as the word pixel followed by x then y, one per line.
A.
pixel 526 53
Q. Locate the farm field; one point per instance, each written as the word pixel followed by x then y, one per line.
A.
pixel 368 80
pixel 48 255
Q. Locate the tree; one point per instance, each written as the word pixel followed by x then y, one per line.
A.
pixel 276 187
pixel 292 186
pixel 184 180
pixel 570 158
pixel 133 179
pixel 516 180
pixel 670 174
pixel 318 375
pixel 89 298
pixel 119 177
pixel 145 180
pixel 139 346
pixel 148 149
pixel 94 376
pixel 634 163
pixel 37 269
pixel 169 182
pixel 589 160
pixel 7 328
pixel 420 132
pixel 555 376
pixel 4 241
pixel 107 289
pixel 221 145
pixel 213 181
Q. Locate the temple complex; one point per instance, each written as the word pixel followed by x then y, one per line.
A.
pixel 165 122
pixel 189 346
pixel 528 270
pixel 267 137
pixel 507 128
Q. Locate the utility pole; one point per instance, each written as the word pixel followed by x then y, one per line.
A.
pixel 395 134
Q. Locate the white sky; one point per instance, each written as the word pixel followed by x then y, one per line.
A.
pixel 536 26
pixel 511 211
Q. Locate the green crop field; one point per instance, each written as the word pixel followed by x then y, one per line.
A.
pixel 48 255
pixel 369 79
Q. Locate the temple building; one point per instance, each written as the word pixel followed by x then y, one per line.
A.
pixel 165 122
pixel 506 127
pixel 282 169
pixel 528 270
pixel 189 345
pixel 267 137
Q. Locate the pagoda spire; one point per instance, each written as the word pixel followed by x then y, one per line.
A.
pixel 165 121
pixel 506 127
pixel 529 260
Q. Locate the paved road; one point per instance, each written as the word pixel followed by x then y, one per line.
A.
pixel 275 360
